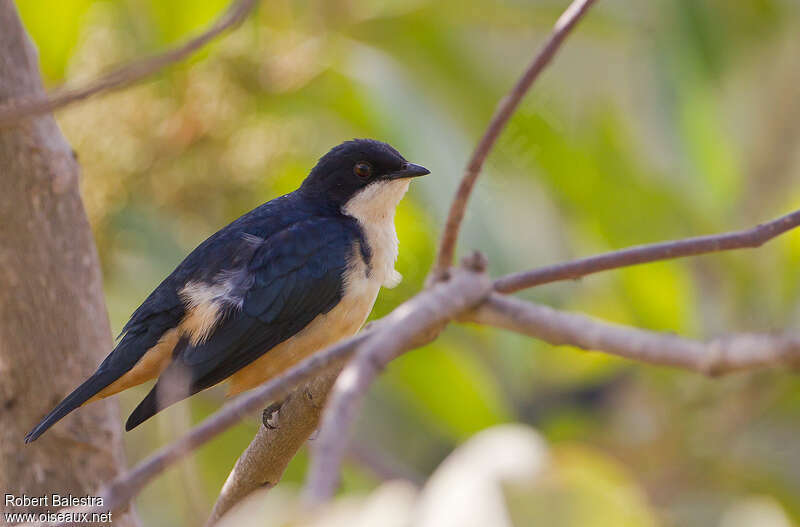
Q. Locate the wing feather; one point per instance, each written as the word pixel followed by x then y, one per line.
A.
pixel 295 276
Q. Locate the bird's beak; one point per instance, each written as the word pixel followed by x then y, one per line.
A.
pixel 409 170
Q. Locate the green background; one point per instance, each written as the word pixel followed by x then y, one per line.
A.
pixel 659 119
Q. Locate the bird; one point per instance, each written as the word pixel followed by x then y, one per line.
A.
pixel 289 278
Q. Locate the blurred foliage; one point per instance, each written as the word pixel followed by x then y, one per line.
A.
pixel 657 120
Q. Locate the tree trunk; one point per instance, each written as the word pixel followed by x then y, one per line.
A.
pixel 53 324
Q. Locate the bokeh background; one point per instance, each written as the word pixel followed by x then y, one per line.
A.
pixel 658 120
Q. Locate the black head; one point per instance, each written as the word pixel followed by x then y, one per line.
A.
pixel 354 165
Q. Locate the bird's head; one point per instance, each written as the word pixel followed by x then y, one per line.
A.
pixel 361 172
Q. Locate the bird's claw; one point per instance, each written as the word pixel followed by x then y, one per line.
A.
pixel 270 415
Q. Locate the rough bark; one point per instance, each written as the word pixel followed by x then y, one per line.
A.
pixel 264 461
pixel 53 324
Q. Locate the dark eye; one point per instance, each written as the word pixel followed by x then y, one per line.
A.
pixel 362 170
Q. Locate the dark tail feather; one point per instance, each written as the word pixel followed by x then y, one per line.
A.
pixel 80 395
pixel 168 390
pixel 146 409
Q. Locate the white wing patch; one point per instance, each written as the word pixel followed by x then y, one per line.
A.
pixel 203 309
pixel 206 302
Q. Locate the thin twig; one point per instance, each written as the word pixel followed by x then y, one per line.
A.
pixel 719 356
pixel 14 110
pixel 505 109
pixel 442 302
pixel 749 238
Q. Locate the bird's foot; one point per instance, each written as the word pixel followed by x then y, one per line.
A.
pixel 270 415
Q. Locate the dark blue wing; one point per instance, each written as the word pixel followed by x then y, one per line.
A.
pixel 294 276
pixel 164 308
pixel 162 311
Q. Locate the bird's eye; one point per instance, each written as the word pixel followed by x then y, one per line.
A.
pixel 362 170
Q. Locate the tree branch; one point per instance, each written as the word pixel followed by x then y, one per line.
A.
pixel 716 357
pixel 505 109
pixel 263 462
pixel 13 110
pixel 123 489
pixel 418 319
pixel 749 238
pixel 688 354
pixel 119 492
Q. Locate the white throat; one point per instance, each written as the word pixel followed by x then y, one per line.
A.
pixel 374 207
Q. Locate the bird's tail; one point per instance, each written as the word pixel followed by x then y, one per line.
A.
pixel 79 395
pixel 147 408
pixel 172 386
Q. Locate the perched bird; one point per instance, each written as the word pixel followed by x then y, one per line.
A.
pixel 287 279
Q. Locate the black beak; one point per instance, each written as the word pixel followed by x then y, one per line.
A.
pixel 409 170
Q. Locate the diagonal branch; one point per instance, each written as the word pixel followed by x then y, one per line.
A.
pixel 117 495
pixel 505 109
pixel 719 356
pixel 13 110
pixel 263 462
pixel 749 238
pixel 414 322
